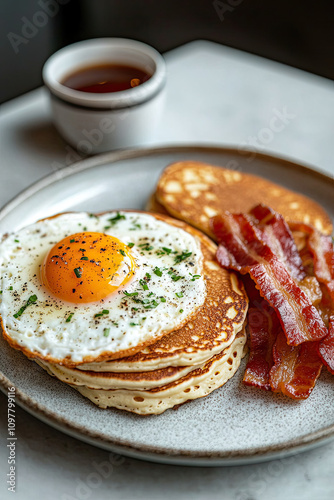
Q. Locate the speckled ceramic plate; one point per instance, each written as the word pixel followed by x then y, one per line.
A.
pixel 234 424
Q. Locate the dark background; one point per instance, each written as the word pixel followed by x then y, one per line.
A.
pixel 296 32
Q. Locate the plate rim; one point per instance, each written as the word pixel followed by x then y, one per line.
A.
pixel 124 154
pixel 146 452
pixel 160 455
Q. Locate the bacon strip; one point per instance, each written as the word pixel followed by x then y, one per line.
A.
pixel 279 237
pixel 322 250
pixel 326 347
pixel 263 327
pixel 272 363
pixel 321 247
pixel 296 368
pixel 243 249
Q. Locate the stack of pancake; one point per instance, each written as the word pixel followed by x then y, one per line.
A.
pixel 186 364
pixel 201 353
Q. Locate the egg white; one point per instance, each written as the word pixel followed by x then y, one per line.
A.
pixel 43 328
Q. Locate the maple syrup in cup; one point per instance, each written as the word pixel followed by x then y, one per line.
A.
pixel 106 93
pixel 106 78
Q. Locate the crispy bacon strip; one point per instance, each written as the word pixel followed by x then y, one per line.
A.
pixel 278 236
pixel 272 363
pixel 263 327
pixel 322 250
pixel 243 249
pixel 296 368
pixel 326 347
pixel 321 247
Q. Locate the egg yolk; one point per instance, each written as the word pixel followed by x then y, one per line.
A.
pixel 87 267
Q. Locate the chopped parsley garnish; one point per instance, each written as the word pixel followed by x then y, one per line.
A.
pixel 133 324
pixel 122 253
pixel 146 302
pixel 130 245
pixel 106 332
pixel 85 228
pixel 195 276
pixel 78 272
pixel 175 277
pixel 148 276
pixel 102 313
pixel 151 305
pixel 165 250
pixel 146 246
pixel 72 241
pixel 133 294
pixel 179 294
pixel 182 256
pixel 181 311
pixel 157 271
pixel 17 241
pixel 135 226
pixel 32 299
pixel 115 219
pixel 143 284
pixel 69 317
pixel 10 288
pixel 93 215
pixel 84 258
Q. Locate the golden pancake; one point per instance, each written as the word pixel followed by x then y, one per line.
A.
pixel 109 380
pixel 195 192
pixel 196 384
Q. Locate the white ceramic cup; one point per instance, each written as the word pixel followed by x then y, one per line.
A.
pixel 94 123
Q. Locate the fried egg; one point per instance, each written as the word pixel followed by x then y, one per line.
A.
pixel 80 287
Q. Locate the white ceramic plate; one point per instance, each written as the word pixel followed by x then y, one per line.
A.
pixel 234 424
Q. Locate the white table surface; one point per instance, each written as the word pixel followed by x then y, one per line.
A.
pixel 215 95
